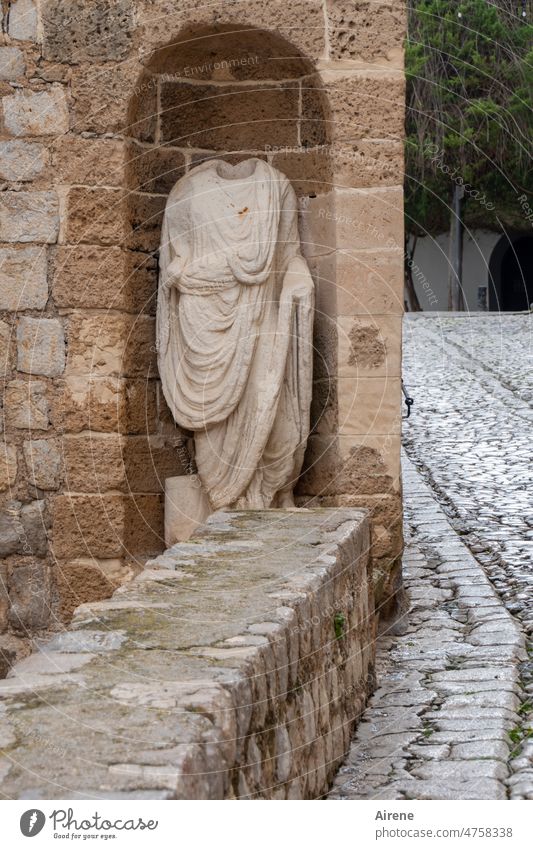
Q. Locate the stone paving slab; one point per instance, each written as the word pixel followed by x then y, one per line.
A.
pixel 439 725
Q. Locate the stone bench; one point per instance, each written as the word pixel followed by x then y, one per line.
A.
pixel 234 666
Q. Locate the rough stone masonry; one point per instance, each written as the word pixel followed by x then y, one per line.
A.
pixel 233 666
pixel 104 105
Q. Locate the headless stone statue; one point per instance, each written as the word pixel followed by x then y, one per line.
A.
pixel 234 329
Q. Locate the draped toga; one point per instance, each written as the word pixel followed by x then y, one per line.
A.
pixel 234 329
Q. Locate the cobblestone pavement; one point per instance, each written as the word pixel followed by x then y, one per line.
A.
pixel 438 727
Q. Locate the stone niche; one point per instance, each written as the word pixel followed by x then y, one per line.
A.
pixel 103 110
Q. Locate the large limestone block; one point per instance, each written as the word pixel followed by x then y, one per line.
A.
pixel 107 405
pixel 107 525
pixel 364 105
pixel 97 462
pixel 29 217
pixel 22 161
pixel 88 525
pixel 367 30
pixel 29 591
pixel 43 463
pixel 40 113
pixel 154 170
pixel 106 277
pixel 78 31
pixel 79 582
pixel 229 118
pixel 102 97
pixel 369 219
pixel 26 405
pixel 368 162
pixel 301 23
pixel 5 348
pixel 11 63
pixel 8 466
pixel 113 344
pixel 23 278
pixel 369 346
pixel 369 405
pixel 23 20
pixel 362 283
pixel 95 216
pixel 40 346
pixel 90 162
pixel 355 465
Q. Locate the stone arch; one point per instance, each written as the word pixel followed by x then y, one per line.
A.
pixel 511 273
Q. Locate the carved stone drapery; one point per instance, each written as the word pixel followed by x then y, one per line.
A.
pixel 234 325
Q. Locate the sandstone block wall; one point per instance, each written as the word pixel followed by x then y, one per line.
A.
pixel 103 107
pixel 239 664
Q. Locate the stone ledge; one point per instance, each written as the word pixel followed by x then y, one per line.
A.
pixel 234 666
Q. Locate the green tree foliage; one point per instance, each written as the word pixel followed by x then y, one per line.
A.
pixel 469 111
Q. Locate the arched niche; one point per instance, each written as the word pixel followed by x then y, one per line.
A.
pixel 227 92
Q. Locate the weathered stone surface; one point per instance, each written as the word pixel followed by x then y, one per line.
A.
pixel 154 169
pixel 211 117
pixel 21 161
pixel 92 162
pixel 107 404
pixel 309 171
pixel 268 641
pixel 106 277
pixel 364 104
pixel 23 20
pixel 278 23
pixel 95 216
pixel 29 592
pixel 40 113
pixel 26 405
pixel 102 95
pixel 367 30
pixel 79 583
pixel 11 530
pixel 4 609
pixel 5 348
pixel 97 463
pixel 88 526
pixel 29 217
pixel 111 345
pixel 8 466
pixel 368 162
pixel 369 219
pixel 35 521
pixel 11 63
pixel 23 278
pixel 40 346
pixel 107 525
pixel 43 463
pixel 87 32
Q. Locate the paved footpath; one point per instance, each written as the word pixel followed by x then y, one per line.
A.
pixel 452 719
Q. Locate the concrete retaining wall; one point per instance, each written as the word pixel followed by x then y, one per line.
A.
pixel 234 666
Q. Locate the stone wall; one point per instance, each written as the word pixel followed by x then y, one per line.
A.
pixel 104 105
pixel 238 663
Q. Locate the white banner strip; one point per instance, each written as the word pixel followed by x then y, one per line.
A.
pixel 251 825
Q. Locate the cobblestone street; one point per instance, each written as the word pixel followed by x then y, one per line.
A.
pixel 445 729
